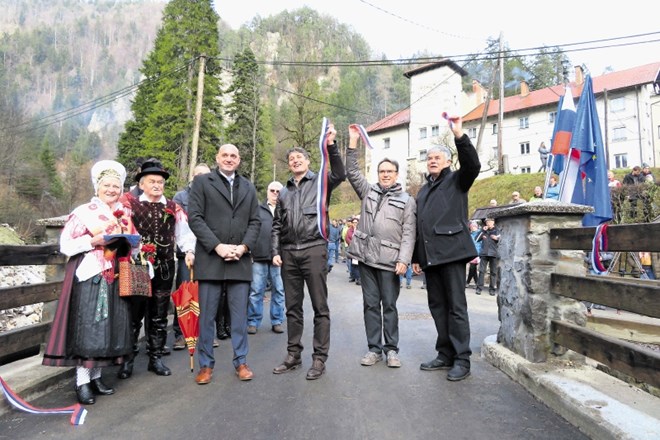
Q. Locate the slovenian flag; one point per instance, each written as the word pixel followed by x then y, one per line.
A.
pixel 563 130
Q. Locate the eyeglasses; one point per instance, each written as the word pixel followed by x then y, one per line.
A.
pixel 386 171
pixel 274 191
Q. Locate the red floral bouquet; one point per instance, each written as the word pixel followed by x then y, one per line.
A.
pixel 121 221
pixel 148 253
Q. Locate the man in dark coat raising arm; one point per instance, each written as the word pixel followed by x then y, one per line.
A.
pixel 443 248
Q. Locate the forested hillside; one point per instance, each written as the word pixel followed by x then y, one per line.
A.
pixel 71 68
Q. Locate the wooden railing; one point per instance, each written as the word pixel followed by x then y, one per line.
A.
pixel 21 339
pixel 631 294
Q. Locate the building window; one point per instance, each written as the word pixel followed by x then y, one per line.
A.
pixel 494 128
pixel 524 122
pixel 386 143
pixel 422 133
pixel 619 134
pixel 422 155
pixel 621 160
pixel 435 130
pixel 524 148
pixel 472 133
pixel 525 170
pixel 552 116
pixel 618 104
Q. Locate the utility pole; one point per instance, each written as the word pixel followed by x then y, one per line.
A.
pixel 607 138
pixel 500 115
pixel 198 115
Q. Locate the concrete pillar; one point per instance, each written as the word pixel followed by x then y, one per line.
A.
pixel 525 304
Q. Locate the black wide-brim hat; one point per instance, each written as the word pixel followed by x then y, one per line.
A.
pixel 152 166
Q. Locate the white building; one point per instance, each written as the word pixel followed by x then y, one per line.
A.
pixel 628 104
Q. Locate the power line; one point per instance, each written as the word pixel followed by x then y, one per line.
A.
pixel 63 115
pixel 464 58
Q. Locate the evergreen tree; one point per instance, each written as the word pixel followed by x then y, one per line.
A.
pixel 53 182
pixel 163 108
pixel 246 129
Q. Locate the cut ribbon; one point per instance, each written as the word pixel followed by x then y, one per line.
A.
pixel 78 413
pixel 599 244
pixel 322 189
pixel 445 115
pixel 364 135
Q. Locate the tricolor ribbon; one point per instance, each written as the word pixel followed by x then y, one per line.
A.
pixel 78 413
pixel 363 135
pixel 599 244
pixel 322 190
pixel 445 115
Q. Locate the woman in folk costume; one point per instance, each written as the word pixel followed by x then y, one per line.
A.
pixel 92 326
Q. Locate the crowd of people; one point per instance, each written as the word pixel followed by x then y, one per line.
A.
pixel 239 247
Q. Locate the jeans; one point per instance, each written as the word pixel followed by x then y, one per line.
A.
pixel 332 254
pixel 261 272
pixel 408 276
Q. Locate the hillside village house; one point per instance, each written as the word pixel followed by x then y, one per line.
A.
pixel 628 105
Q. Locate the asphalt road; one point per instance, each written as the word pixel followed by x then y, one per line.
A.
pixel 349 402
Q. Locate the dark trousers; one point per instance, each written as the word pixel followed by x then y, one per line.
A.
pixel 473 274
pixel 445 285
pixel 491 262
pixel 380 287
pixel 300 267
pixel 154 309
pixel 210 293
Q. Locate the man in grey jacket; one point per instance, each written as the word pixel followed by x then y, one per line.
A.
pixel 383 243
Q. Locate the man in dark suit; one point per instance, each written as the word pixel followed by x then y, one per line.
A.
pixel 222 210
pixel 444 246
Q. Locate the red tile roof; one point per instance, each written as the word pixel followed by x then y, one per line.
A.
pixel 397 119
pixel 611 81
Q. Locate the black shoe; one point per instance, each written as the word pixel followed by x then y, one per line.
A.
pixel 126 370
pixel 478 292
pixel 157 366
pixel 290 363
pixel 99 387
pixel 358 283
pixel 458 372
pixel 317 370
pixel 435 364
pixel 85 394
pixel 491 293
pixel 165 351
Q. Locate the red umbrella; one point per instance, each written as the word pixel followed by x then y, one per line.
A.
pixel 186 300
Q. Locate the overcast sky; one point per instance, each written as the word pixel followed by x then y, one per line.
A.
pixel 402 28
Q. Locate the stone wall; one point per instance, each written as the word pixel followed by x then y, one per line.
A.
pixel 525 304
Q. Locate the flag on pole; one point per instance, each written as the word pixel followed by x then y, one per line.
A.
pixel 591 187
pixel 561 135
